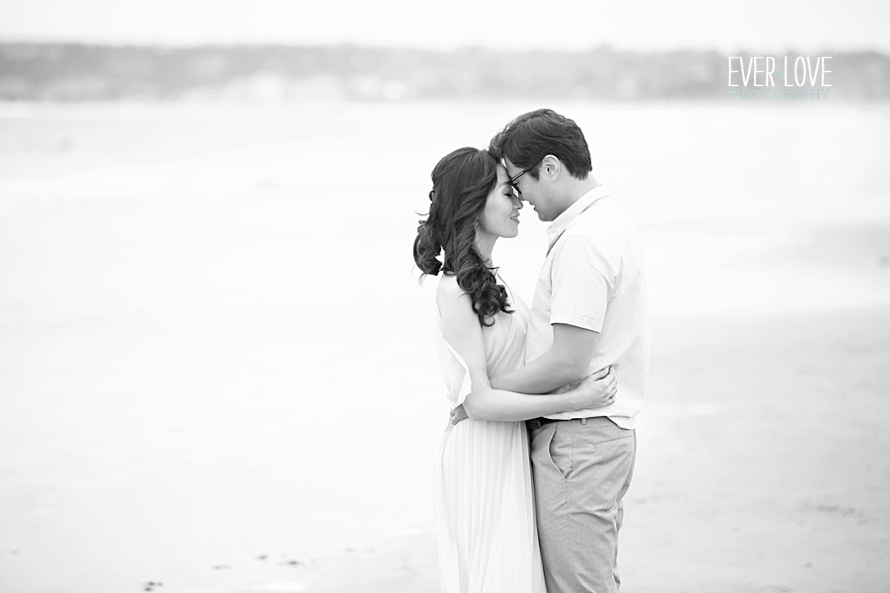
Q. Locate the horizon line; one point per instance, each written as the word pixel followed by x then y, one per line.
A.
pixel 434 49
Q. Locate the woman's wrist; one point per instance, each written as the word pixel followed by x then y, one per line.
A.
pixel 572 400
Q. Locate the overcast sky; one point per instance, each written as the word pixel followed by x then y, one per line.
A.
pixel 767 25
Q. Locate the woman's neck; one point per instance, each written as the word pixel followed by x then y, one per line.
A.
pixel 485 245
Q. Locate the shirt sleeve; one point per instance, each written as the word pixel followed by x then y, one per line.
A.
pixel 582 282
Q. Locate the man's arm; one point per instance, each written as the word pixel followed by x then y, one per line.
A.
pixel 580 290
pixel 566 362
pixel 462 331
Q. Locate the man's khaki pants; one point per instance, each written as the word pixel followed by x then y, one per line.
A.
pixel 582 470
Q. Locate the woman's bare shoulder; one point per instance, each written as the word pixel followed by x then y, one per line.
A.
pixel 448 288
pixel 450 297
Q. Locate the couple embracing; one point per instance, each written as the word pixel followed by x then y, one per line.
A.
pixel 541 448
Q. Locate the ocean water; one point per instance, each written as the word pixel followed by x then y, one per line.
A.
pixel 214 347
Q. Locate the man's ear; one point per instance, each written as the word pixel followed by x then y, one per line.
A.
pixel 551 167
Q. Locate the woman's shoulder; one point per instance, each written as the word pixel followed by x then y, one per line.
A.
pixel 448 287
pixel 449 294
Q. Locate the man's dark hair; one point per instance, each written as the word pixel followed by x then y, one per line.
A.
pixel 532 136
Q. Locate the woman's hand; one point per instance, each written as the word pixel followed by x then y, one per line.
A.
pixel 597 390
pixel 458 413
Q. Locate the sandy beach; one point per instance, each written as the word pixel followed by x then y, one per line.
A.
pixel 762 463
pixel 217 369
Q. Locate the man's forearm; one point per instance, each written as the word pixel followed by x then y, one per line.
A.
pixel 541 376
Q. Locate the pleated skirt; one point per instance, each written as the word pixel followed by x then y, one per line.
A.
pixel 485 515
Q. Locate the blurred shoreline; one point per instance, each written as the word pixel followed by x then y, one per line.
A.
pixel 70 72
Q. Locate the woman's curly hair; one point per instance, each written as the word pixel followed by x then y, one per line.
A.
pixel 462 181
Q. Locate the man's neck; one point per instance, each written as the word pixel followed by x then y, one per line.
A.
pixel 578 188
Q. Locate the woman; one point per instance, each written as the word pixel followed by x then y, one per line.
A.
pixel 485 517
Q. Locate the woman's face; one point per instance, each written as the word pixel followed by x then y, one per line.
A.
pixel 501 215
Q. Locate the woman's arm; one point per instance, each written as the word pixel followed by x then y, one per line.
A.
pixel 460 326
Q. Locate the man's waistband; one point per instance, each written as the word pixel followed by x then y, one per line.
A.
pixel 536 423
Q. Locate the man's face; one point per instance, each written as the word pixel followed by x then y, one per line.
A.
pixel 531 190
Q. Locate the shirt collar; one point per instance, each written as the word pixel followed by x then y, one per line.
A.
pixel 565 220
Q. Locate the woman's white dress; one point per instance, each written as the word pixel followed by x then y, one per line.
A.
pixel 485 516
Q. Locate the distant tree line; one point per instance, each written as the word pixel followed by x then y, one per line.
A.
pixel 78 72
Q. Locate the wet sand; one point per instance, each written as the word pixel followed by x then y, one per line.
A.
pixel 762 465
pixel 217 373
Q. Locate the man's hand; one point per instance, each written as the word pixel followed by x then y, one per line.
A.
pixel 458 414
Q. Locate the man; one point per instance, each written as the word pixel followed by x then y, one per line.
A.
pixel 589 312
